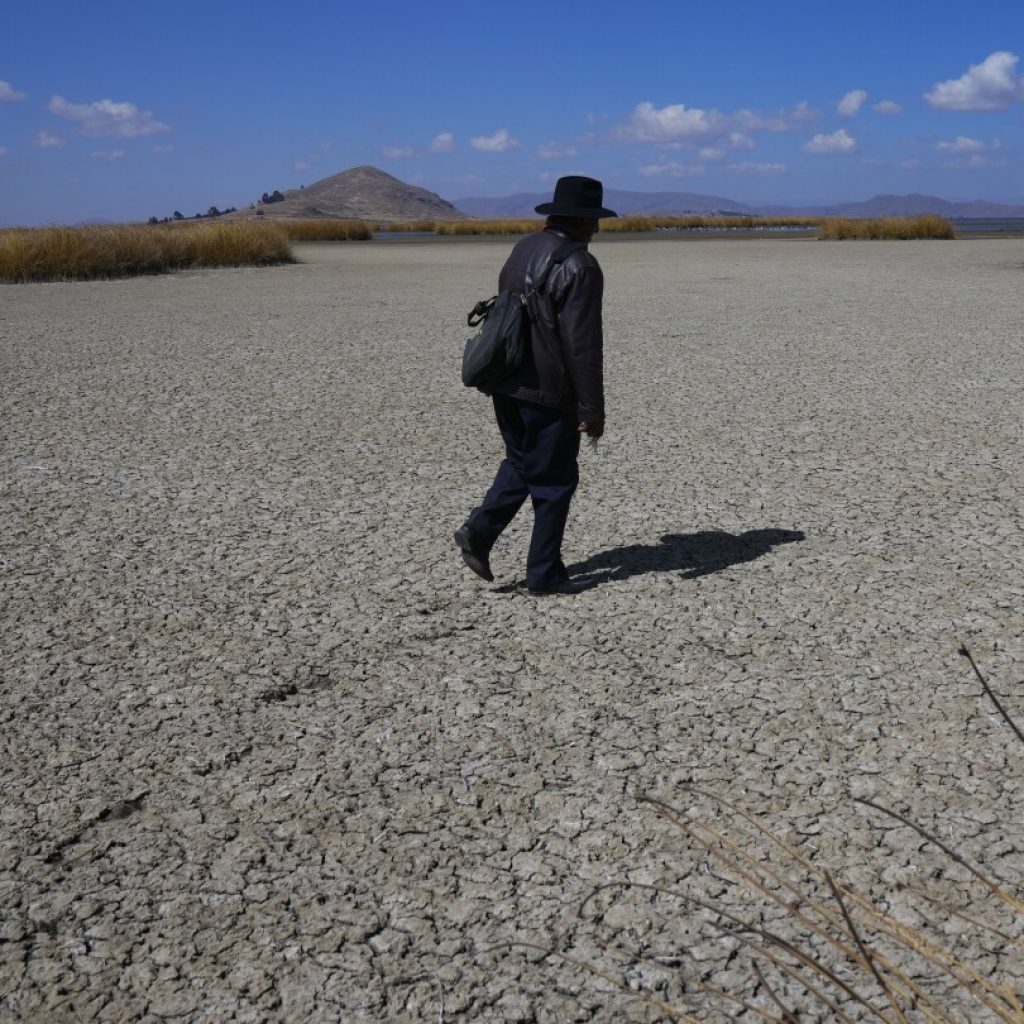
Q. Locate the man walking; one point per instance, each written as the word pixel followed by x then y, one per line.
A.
pixel 557 394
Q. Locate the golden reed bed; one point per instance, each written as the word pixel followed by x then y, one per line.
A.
pixel 929 226
pixel 522 226
pixel 62 253
pixel 123 250
pixel 59 253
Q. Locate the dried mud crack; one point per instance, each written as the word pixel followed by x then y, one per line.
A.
pixel 117 811
pixel 269 752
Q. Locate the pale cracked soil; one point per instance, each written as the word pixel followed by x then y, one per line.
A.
pixel 270 752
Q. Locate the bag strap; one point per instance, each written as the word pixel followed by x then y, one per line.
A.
pixel 560 255
pixel 479 312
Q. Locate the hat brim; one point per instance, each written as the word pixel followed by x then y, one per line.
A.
pixel 587 212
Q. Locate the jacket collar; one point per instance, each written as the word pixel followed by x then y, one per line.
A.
pixel 559 233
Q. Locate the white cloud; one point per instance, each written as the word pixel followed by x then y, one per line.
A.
pixel 553 152
pixel 671 169
pixel 796 119
pixel 673 123
pixel 838 142
pixel 965 144
pixel 500 142
pixel 887 107
pixel 397 152
pixel 8 94
pixel 677 126
pixel 108 154
pixel 910 165
pixel 444 142
pixel 739 140
pixel 851 103
pixel 43 140
pixel 107 119
pixel 760 169
pixel 968 152
pixel 991 85
pixel 722 146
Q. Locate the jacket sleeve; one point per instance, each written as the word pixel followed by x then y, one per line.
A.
pixel 579 324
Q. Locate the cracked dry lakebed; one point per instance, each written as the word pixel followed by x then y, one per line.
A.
pixel 270 752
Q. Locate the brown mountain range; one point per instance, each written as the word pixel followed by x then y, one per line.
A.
pixel 674 203
pixel 361 193
pixel 368 193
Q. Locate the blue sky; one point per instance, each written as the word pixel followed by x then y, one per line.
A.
pixel 124 110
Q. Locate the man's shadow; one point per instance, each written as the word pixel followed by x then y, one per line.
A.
pixel 692 554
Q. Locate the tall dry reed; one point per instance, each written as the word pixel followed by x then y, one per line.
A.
pixel 699 222
pixel 799 942
pixel 67 254
pixel 637 223
pixel 410 225
pixel 928 226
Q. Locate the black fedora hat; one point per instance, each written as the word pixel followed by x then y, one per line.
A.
pixel 576 196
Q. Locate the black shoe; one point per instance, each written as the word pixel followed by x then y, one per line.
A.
pixel 564 587
pixel 474 554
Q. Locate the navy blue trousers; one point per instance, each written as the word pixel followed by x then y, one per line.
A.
pixel 542 448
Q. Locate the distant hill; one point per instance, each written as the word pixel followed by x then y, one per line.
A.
pixel 671 203
pixel 368 193
pixel 912 205
pixel 364 193
pixel 622 202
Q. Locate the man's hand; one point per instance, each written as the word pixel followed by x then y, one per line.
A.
pixel 594 429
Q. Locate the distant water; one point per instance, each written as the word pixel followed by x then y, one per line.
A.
pixel 989 226
pixel 1005 226
pixel 761 229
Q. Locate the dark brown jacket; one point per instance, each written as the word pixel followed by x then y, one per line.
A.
pixel 564 360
